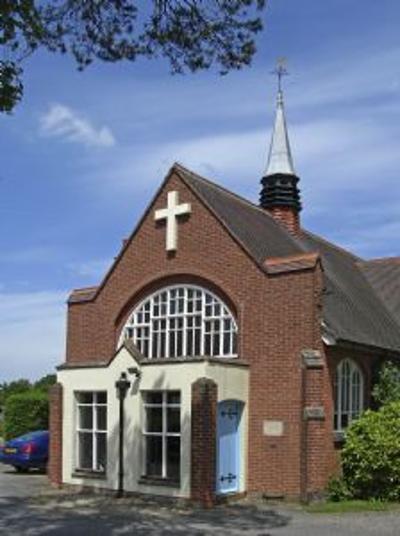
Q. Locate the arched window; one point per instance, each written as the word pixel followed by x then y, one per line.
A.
pixel 349 393
pixel 182 321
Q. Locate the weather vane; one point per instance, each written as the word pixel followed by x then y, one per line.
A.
pixel 280 71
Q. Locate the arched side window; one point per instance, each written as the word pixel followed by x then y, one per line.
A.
pixel 182 321
pixel 349 394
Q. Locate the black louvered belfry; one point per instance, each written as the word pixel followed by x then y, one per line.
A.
pixel 280 190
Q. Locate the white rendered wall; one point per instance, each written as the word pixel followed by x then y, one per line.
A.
pixel 232 383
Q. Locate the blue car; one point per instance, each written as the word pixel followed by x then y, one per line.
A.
pixel 30 451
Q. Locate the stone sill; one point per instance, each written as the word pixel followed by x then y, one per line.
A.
pixel 158 481
pixel 83 473
pixel 338 438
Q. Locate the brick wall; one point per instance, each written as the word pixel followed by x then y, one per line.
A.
pixel 54 467
pixel 203 445
pixel 278 316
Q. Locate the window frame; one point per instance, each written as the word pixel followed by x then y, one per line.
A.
pixel 353 410
pixel 164 434
pixel 94 431
pixel 206 327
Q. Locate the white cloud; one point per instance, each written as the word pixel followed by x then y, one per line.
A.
pixel 95 269
pixel 60 121
pixel 32 331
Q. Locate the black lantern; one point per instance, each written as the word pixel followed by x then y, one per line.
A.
pixel 122 385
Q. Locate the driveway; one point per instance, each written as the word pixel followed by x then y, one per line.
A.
pixel 29 507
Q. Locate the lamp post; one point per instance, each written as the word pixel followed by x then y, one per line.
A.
pixel 122 385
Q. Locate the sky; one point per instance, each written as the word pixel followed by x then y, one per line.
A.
pixel 83 154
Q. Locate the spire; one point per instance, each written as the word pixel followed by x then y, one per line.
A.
pixel 280 156
pixel 279 194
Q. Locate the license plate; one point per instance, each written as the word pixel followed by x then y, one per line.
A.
pixel 10 451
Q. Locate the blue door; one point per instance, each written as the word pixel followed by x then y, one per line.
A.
pixel 228 446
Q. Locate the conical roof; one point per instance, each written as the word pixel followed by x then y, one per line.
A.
pixel 280 157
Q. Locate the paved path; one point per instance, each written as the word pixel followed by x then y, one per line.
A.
pixel 28 507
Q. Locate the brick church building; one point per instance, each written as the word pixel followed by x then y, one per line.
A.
pixel 249 344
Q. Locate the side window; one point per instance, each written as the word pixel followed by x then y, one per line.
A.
pixel 349 394
pixel 91 430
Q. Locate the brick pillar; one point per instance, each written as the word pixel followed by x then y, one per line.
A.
pixel 203 441
pixel 317 444
pixel 54 468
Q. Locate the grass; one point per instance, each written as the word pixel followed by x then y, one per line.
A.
pixel 343 507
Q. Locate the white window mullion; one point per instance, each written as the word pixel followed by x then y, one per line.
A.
pixel 167 326
pixel 185 351
pixel 339 388
pixel 164 435
pixel 150 324
pixel 203 323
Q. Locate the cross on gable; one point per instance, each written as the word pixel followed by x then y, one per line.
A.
pixel 171 213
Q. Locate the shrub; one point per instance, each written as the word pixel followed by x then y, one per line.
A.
pixel 371 455
pixel 26 412
pixel 387 388
pixel 337 490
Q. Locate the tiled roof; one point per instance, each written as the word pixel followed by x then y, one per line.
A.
pixel 252 226
pixel 352 309
pixel 82 294
pixel 384 277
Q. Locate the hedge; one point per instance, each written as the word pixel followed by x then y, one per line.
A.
pixel 26 412
pixel 371 455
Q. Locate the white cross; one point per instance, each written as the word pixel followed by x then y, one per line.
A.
pixel 170 214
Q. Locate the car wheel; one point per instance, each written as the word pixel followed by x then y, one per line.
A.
pixel 20 469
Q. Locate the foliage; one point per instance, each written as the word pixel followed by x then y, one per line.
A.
pixel 12 388
pixel 371 454
pixel 387 388
pixel 191 34
pixel 26 412
pixel 44 383
pixel 337 490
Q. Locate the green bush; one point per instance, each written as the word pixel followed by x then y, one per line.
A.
pixel 371 455
pixel 337 490
pixel 387 388
pixel 26 412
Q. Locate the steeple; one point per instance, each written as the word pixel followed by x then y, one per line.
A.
pixel 280 156
pixel 280 194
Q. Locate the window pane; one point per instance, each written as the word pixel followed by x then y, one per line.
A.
pixel 174 420
pixel 227 343
pixel 84 398
pixel 153 419
pixel 86 417
pixel 153 456
pixel 173 397
pixel 173 457
pixel 102 397
pixel 153 397
pixel 85 449
pixel 101 452
pixel 102 418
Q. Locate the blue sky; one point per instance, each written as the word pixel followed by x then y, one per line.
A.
pixel 83 154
